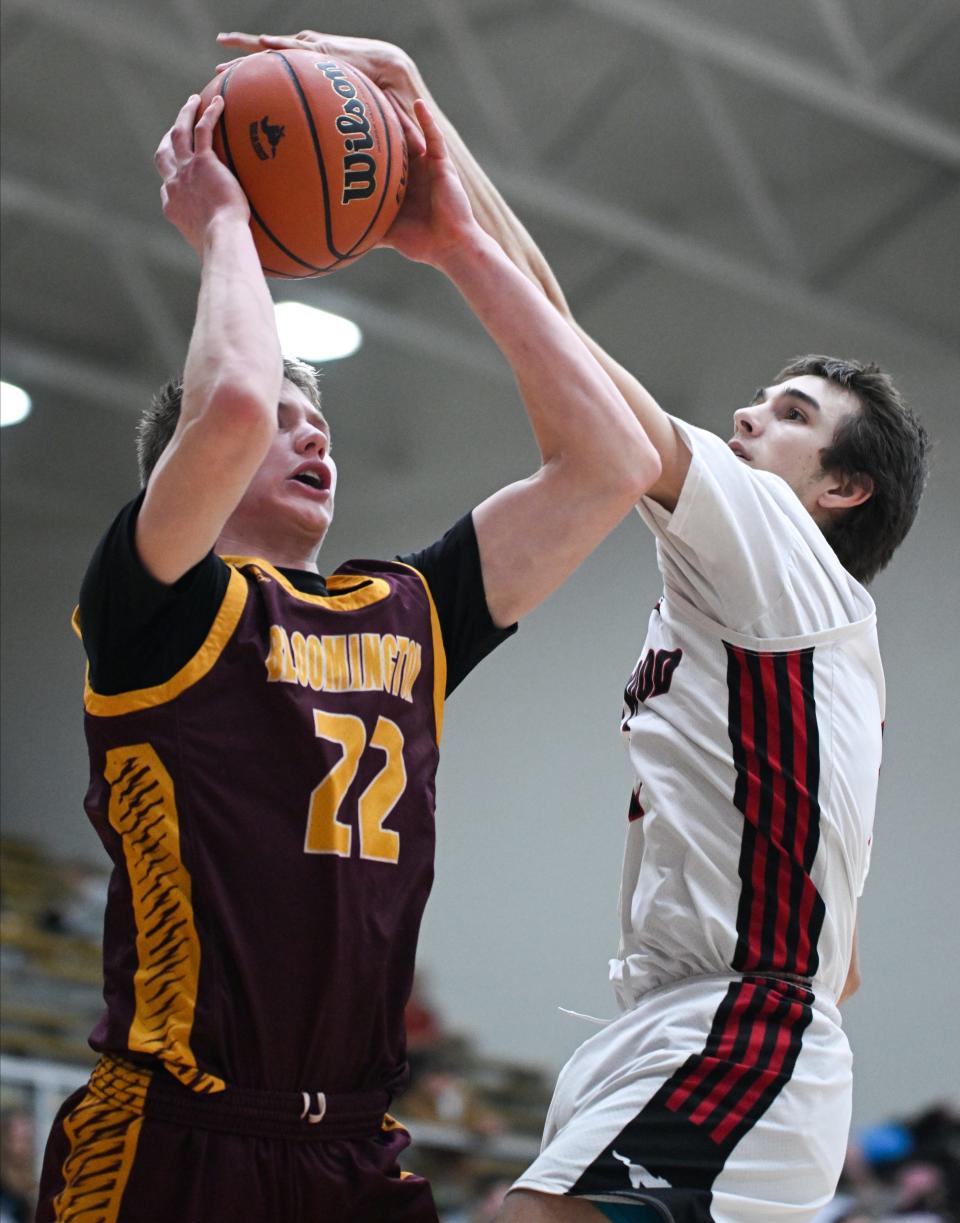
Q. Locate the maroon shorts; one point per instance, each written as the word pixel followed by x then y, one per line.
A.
pixel 134 1146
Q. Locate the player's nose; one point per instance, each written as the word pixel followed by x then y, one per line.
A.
pixel 311 440
pixel 747 420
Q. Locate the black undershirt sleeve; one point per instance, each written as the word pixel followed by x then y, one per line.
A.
pixel 138 632
pixel 453 572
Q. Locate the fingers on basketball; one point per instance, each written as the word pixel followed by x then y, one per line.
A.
pixel 235 38
pixel 319 153
pixel 412 132
pixel 203 132
pixel 436 145
pixel 181 134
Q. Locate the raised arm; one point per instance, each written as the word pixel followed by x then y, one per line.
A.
pixel 596 460
pixel 397 74
pixel 234 368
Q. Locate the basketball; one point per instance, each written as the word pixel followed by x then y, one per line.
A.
pixel 319 153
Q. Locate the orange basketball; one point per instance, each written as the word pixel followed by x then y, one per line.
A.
pixel 319 152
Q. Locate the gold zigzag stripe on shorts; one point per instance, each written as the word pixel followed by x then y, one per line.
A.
pixel 120 1083
pixel 103 1136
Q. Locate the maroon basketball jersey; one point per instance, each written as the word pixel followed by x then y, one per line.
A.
pixel 269 813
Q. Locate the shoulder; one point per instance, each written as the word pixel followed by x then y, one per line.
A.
pixel 740 546
pixel 137 632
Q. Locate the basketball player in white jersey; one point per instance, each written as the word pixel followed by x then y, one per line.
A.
pixel 753 719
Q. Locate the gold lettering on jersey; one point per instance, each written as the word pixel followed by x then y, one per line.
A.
pixel 353 646
pixel 372 662
pixel 315 662
pixel 338 662
pixel 298 643
pixel 279 660
pixel 336 673
pixel 403 644
pixel 390 649
pixel 411 670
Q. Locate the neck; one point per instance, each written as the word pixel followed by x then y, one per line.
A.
pixel 290 554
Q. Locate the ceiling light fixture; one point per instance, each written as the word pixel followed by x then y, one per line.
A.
pixel 315 335
pixel 14 404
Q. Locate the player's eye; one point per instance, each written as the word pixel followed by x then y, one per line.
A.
pixel 794 413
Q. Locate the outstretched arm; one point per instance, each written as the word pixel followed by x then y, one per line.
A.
pixel 596 460
pixel 396 73
pixel 234 369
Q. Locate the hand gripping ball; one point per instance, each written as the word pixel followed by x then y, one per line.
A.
pixel 319 153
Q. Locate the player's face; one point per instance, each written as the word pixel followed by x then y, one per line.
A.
pixel 786 429
pixel 288 504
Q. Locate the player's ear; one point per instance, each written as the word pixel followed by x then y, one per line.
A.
pixel 846 491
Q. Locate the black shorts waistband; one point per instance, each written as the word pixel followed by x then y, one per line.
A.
pixel 241 1110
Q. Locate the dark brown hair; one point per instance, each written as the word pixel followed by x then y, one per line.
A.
pixel 885 441
pixel 158 422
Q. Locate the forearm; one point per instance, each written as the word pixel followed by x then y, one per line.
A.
pixel 489 207
pixel 596 459
pixel 233 372
pixel 234 339
pixel 499 221
pixel 574 408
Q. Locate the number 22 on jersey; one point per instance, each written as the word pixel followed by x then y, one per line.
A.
pixel 325 833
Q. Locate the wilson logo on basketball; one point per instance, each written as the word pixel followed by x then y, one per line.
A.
pixel 359 168
pixel 273 133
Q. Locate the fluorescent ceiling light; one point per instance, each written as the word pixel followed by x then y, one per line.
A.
pixel 315 335
pixel 14 404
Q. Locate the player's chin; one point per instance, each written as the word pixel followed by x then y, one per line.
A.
pixel 308 516
pixel 316 518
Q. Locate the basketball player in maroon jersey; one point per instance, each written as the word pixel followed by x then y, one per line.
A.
pixel 263 740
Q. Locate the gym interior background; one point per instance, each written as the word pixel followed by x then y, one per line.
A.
pixel 719 188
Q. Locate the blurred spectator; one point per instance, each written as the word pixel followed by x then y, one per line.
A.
pixel 440 1090
pixel 423 1025
pixel 902 1171
pixel 78 909
pixel 17 1183
pixel 440 1067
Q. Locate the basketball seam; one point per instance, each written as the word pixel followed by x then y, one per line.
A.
pixel 253 212
pixel 317 150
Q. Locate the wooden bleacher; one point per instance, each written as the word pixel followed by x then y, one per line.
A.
pixel 50 976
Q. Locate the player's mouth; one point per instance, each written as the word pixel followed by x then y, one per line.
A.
pixel 739 451
pixel 314 477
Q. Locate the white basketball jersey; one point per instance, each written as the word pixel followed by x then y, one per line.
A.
pixel 753 719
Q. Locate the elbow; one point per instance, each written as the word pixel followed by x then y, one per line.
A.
pixel 641 469
pixel 619 467
pixel 241 410
pixel 648 469
pixel 624 474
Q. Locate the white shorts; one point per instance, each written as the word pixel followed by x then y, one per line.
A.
pixel 716 1100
